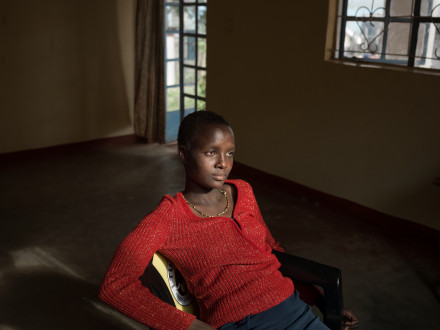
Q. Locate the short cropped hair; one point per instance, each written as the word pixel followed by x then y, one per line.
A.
pixel 193 122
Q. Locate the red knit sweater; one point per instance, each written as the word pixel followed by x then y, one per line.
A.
pixel 228 265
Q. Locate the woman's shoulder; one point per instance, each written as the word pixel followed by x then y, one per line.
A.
pixel 163 212
pixel 167 203
pixel 168 199
pixel 240 184
pixel 242 190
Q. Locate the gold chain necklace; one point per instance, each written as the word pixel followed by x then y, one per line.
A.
pixel 211 216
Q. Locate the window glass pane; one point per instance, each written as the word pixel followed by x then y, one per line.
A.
pixel 428 45
pixel 201 19
pixel 173 73
pixel 401 7
pixel 363 39
pixel 353 39
pixel 190 105
pixel 201 57
pixel 189 1
pixel 201 83
pixel 397 40
pixel 172 45
pixel 189 19
pixel 435 11
pixel 363 8
pixel 201 105
pixel 189 50
pixel 173 98
pixel 172 18
pixel 189 81
pixel 430 8
pixel 171 1
pixel 203 1
pixel 172 124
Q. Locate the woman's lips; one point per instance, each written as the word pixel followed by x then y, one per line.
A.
pixel 219 177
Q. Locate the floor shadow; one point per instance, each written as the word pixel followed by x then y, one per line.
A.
pixel 48 300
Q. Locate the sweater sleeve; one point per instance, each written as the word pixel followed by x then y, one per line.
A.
pixel 269 238
pixel 122 288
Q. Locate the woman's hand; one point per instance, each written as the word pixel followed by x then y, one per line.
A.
pixel 350 321
pixel 197 324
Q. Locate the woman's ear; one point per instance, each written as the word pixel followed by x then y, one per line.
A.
pixel 182 155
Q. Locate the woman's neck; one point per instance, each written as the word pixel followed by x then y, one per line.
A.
pixel 201 196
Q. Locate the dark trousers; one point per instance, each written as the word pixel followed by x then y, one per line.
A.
pixel 291 314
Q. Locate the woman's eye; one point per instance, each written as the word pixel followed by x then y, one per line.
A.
pixel 230 154
pixel 210 153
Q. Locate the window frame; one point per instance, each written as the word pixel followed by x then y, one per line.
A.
pixel 182 35
pixel 339 52
pixel 196 35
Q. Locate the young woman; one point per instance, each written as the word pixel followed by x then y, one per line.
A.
pixel 215 235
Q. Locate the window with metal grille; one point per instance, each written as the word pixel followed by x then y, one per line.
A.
pixel 185 60
pixel 398 32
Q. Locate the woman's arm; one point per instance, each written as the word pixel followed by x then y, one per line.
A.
pixel 199 325
pixel 122 288
pixel 269 238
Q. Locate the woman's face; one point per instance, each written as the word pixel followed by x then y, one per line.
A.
pixel 210 157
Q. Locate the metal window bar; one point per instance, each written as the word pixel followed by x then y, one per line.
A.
pixel 414 34
pixel 385 31
pixel 425 41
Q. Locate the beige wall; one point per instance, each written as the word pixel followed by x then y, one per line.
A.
pixel 368 135
pixel 66 71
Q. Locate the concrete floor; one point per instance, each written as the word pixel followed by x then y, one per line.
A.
pixel 64 212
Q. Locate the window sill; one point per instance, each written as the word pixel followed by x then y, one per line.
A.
pixel 363 64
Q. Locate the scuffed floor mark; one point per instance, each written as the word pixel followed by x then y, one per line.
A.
pixel 7 327
pixel 35 256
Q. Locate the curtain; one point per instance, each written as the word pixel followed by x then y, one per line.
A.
pixel 149 110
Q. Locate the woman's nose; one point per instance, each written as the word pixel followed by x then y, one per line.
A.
pixel 221 161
